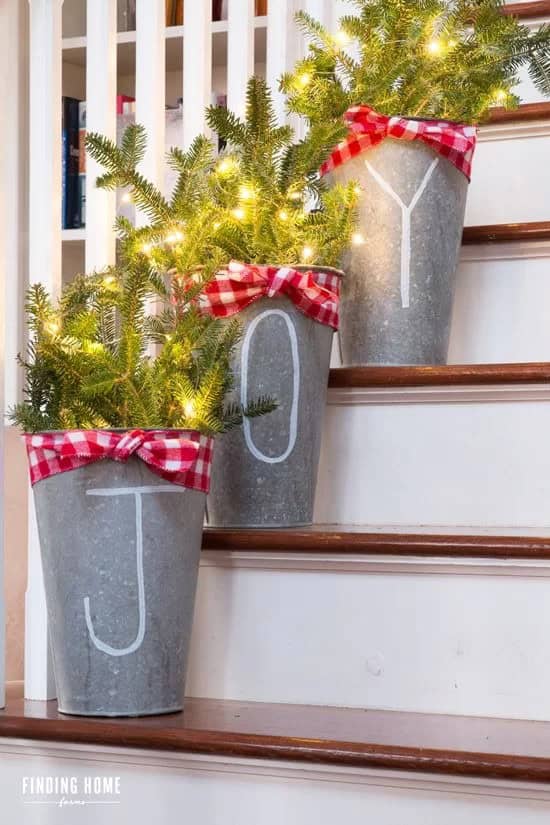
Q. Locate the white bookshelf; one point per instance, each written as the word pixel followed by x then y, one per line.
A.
pixel 74 48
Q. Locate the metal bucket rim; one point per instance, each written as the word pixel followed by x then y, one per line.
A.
pixel 327 270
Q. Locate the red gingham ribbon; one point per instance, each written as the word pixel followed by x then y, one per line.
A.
pixel 316 294
pixel 453 141
pixel 179 456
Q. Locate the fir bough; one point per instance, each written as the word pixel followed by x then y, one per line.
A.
pixel 129 347
pixel 447 59
pixel 273 207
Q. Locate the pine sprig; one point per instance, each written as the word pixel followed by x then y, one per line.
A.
pixel 421 58
pixel 90 361
pixel 267 185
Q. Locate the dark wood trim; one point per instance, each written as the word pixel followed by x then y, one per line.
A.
pixel 440 376
pixel 500 233
pixel 332 539
pixel 525 112
pixel 460 746
pixel 526 11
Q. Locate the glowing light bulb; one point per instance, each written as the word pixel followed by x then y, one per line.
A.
pixel 52 327
pixel 238 213
pixel 500 96
pixel 295 196
pixel 357 190
pixel 357 239
pixel 179 236
pixel 307 253
pixel 342 38
pixel 146 248
pixel 246 193
pixel 126 198
pixel 168 338
pixel 189 409
pixel 304 79
pixel 226 166
pixel 217 225
pixel 434 48
pixel 283 216
pixel 108 280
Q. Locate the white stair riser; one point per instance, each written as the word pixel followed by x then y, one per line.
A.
pixel 438 639
pixel 502 305
pixel 207 790
pixel 464 464
pixel 510 177
pixel 501 311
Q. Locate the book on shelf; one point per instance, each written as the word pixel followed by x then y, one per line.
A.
pixel 174 12
pixel 70 195
pixel 82 160
pixel 126 15
pixel 219 9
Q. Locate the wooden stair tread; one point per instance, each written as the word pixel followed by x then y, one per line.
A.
pixel 527 11
pixel 524 112
pixel 354 539
pixel 490 748
pixel 506 232
pixel 439 376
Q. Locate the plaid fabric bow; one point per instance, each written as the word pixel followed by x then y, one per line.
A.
pixel 181 457
pixel 316 294
pixel 453 141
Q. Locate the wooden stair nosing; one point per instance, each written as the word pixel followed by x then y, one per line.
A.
pixel 440 376
pixel 524 112
pixel 331 539
pixel 506 232
pixel 528 11
pixel 454 746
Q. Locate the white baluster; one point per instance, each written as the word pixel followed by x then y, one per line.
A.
pixel 240 52
pixel 101 89
pixel 44 266
pixel 321 10
pixel 11 66
pixel 15 157
pixel 282 49
pixel 197 69
pixel 151 87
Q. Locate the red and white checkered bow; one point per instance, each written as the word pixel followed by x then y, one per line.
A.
pixel 316 294
pixel 453 141
pixel 179 456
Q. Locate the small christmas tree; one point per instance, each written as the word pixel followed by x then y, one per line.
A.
pixel 417 58
pixel 90 362
pixel 273 207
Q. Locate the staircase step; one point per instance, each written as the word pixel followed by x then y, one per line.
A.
pixel 528 10
pixel 458 444
pixel 440 376
pixel 383 541
pixel 489 748
pixel 524 112
pixel 506 233
pixel 421 620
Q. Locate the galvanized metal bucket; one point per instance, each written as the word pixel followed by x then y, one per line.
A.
pixel 265 473
pixel 120 554
pixel 397 296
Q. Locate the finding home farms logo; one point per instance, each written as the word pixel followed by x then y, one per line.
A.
pixel 74 791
